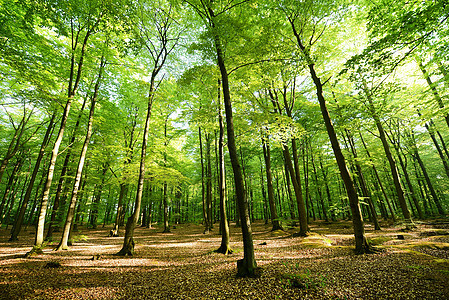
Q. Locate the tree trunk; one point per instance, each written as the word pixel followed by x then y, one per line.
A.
pixel 71 211
pixel 432 86
pixel 392 163
pixel 290 197
pixel 203 185
pixel 128 241
pixel 62 177
pixel 363 185
pixel 362 245
pixel 208 183
pixel 96 201
pixel 409 183
pixel 427 178
pixel 273 212
pixel 9 186
pixel 247 266
pixel 224 226
pixel 318 189
pixel 51 168
pixel 21 214
pixel 378 179
pixel 15 144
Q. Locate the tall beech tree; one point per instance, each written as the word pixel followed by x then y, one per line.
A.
pixel 20 217
pixel 157 32
pixel 214 14
pixel 303 18
pixel 63 244
pixel 224 226
pixel 82 22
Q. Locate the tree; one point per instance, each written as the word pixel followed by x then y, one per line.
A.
pixel 301 16
pixel 74 19
pixel 71 211
pixel 159 46
pixel 214 22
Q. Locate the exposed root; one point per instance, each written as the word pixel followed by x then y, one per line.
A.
pixel 224 250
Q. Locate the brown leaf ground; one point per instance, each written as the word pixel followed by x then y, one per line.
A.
pixel 182 265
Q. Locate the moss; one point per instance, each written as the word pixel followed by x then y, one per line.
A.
pixel 316 241
pixel 379 240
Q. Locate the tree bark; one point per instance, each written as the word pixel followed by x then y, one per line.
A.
pixel 55 209
pixel 21 214
pixel 394 171
pixel 63 245
pixel 225 248
pixel 9 187
pixel 378 179
pixel 432 86
pixel 128 242
pixel 363 185
pixel 362 245
pixel 273 211
pixel 208 183
pixel 247 266
pixel 51 168
pixel 435 197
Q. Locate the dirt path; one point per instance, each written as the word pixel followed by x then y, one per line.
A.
pixel 182 265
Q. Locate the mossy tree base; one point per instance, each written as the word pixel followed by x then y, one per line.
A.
pixel 127 249
pixel 302 233
pixel 34 251
pixel 226 250
pixel 277 226
pixel 244 270
pixel 366 248
pixel 62 247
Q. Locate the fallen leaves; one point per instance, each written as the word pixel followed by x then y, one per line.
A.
pixel 183 265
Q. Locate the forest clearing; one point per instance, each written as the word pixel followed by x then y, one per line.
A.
pixel 182 265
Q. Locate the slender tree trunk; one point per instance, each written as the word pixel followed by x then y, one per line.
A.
pixel 208 183
pixel 409 183
pixel 305 162
pixel 9 186
pixel 273 212
pixel 51 168
pixel 203 185
pixel 378 179
pixel 432 86
pixel 394 171
pixel 362 245
pixel 128 241
pixel 15 144
pixel 431 130
pixel 165 209
pixel 21 214
pixel 435 197
pixel 247 266
pixel 363 185
pixel 224 226
pixel 63 245
pixel 97 198
pixel 318 188
pixel 62 177
pixel 290 197
pixel 303 226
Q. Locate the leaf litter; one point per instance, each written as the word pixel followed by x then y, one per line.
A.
pixel 182 265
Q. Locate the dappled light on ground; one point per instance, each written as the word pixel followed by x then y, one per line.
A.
pixel 182 265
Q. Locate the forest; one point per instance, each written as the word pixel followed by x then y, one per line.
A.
pixel 224 149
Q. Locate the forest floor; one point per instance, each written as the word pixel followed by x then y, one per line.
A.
pixel 182 265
